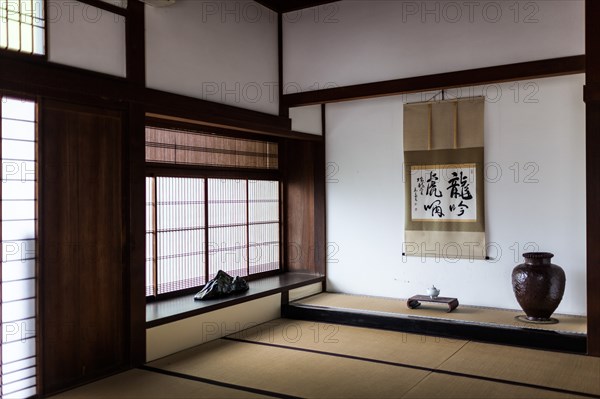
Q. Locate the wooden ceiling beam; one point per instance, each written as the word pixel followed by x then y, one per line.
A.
pixel 469 77
pixel 37 76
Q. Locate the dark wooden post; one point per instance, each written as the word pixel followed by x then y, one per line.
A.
pixel 592 100
pixel 136 183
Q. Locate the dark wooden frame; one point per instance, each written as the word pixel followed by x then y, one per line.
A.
pixel 592 144
pixel 106 6
pixel 34 75
pixel 283 110
pixel 283 6
pixel 320 213
pixel 169 170
pixel 134 164
pixel 470 77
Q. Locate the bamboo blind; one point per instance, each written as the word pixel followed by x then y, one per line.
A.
pixel 203 149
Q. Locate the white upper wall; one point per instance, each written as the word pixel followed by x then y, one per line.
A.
pixel 223 51
pixel 534 195
pixel 357 41
pixel 86 37
pixel 307 119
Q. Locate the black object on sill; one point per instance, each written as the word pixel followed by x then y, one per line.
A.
pixel 222 285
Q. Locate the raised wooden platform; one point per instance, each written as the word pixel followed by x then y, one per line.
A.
pixel 466 322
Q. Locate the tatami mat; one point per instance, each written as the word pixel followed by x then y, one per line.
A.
pixel 300 359
pixel 550 369
pixel 471 314
pixel 390 346
pixel 444 386
pixel 146 384
pixel 295 373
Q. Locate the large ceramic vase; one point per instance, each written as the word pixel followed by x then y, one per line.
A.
pixel 539 285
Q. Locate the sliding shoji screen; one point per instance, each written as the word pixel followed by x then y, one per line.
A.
pixel 22 26
pixel 227 227
pixel 18 236
pixel 196 227
pixel 151 235
pixel 263 226
pixel 179 233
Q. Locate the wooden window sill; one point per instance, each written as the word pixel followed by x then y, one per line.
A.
pixel 173 309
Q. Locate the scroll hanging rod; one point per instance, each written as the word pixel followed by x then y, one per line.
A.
pixel 442 92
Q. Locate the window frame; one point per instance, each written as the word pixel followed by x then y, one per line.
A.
pixel 158 169
pixel 20 54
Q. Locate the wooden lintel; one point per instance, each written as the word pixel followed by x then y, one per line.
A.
pixel 40 77
pixel 479 76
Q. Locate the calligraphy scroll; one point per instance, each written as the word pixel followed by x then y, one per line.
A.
pixel 443 157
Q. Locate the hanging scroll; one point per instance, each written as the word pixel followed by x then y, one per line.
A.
pixel 443 156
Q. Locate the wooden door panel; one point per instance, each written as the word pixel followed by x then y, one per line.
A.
pixel 101 254
pixel 82 303
pixel 59 248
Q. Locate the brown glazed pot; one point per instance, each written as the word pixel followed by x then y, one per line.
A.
pixel 538 285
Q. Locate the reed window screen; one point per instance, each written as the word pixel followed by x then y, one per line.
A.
pixel 204 149
pixel 18 220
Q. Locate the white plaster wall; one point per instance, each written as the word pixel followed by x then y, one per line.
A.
pixel 360 41
pixel 87 37
pixel 221 51
pixel 307 119
pixel 536 128
pixel 173 337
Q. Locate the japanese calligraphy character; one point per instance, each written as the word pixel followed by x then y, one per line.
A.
pixel 432 189
pixel 461 208
pixel 436 208
pixel 416 199
pixel 420 185
pixel 459 186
